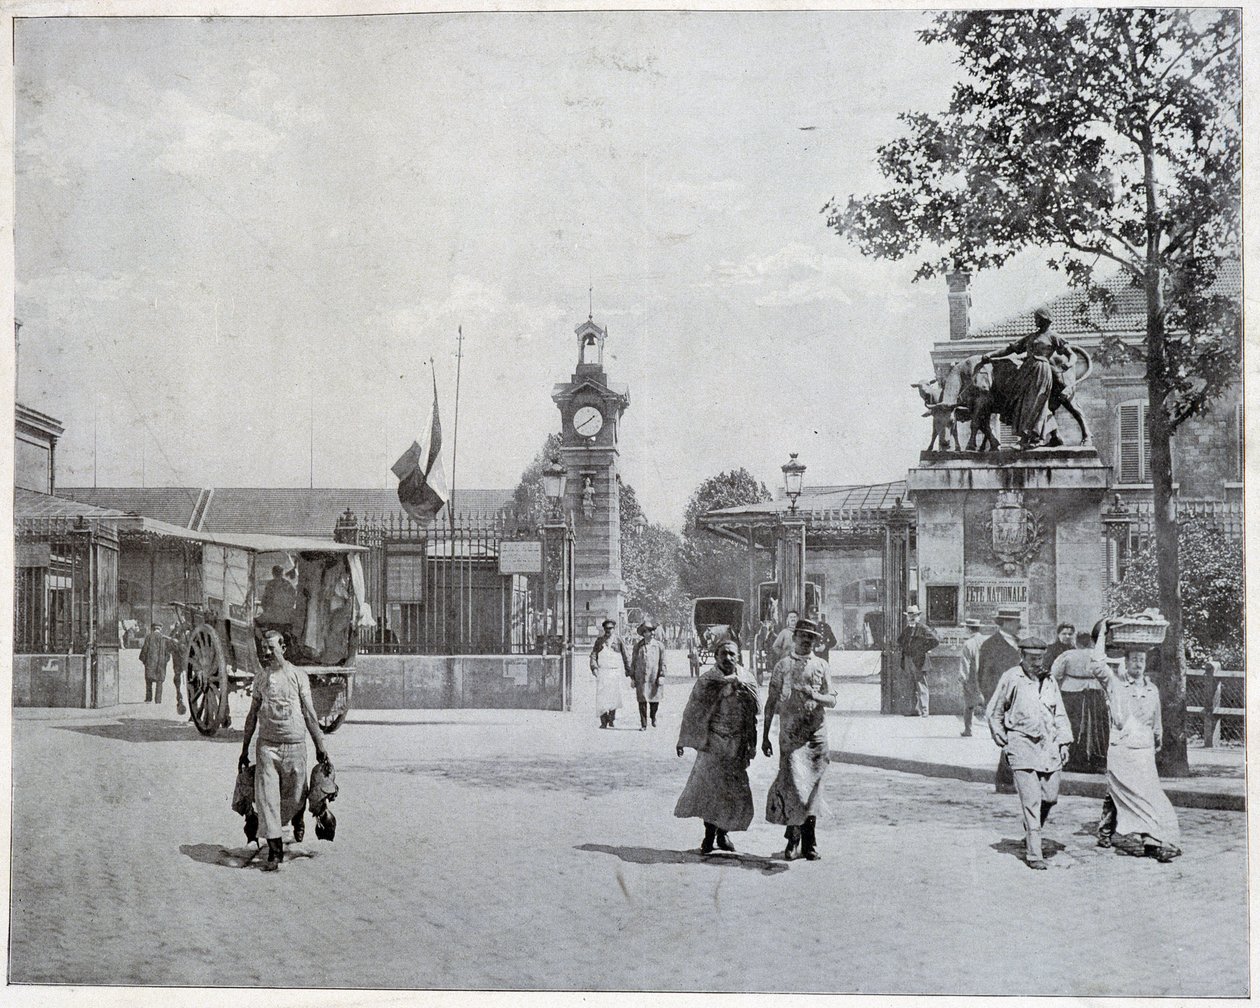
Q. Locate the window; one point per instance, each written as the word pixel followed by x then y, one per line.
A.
pixel 1133 445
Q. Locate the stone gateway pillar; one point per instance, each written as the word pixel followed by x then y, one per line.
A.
pixel 1020 529
pixel 590 415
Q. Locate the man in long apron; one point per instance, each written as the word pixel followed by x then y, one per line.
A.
pixel 282 711
pixel 609 664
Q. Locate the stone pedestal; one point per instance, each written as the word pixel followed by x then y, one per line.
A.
pixel 1010 528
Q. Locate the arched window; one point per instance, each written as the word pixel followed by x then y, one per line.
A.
pixel 1133 446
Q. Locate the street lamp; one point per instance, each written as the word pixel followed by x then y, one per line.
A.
pixel 553 479
pixel 793 479
pixel 640 523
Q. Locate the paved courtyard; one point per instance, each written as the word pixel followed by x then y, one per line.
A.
pixel 501 850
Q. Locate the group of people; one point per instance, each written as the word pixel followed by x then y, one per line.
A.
pixel 720 724
pixel 771 646
pixel 156 652
pixel 644 664
pixel 1072 705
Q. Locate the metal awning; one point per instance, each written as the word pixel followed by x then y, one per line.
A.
pixel 833 516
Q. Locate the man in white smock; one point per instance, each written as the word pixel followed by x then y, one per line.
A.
pixel 609 665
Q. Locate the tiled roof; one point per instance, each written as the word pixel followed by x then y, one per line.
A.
pixel 1130 313
pixel 295 511
pixel 173 505
pixel 31 504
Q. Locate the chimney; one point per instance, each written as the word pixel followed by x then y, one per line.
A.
pixel 959 303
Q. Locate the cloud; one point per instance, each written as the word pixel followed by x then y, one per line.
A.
pixel 206 138
pixel 795 274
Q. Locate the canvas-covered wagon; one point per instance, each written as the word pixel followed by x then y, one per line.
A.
pixel 310 590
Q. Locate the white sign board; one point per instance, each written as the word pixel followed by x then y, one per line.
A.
pixel 520 557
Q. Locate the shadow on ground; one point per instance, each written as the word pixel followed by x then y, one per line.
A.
pixel 654 855
pixel 352 721
pixel 1049 848
pixel 238 857
pixel 152 730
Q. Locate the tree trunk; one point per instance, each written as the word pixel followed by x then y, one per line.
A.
pixel 1172 759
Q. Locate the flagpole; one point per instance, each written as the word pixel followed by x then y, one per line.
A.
pixel 459 361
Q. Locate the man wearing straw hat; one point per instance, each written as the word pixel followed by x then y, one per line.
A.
pixel 647 669
pixel 969 672
pixel 916 641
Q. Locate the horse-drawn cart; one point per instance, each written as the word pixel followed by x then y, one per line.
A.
pixel 716 620
pixel 310 590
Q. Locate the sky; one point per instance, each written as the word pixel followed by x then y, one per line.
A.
pixel 232 232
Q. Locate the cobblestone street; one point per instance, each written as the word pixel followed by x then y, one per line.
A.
pixel 502 849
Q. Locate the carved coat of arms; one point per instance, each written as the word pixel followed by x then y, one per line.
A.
pixel 1015 531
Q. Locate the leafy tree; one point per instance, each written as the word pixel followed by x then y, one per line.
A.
pixel 1107 137
pixel 713 566
pixel 1212 592
pixel 528 499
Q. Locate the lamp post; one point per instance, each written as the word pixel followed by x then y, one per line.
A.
pixel 793 480
pixel 792 540
pixel 554 477
pixel 1116 520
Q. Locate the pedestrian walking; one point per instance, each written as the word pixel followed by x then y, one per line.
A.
pixel 1064 641
pixel 969 673
pixel 1136 805
pixel 800 693
pixel 999 652
pixel 1085 700
pixel 827 641
pixel 153 657
pixel 281 710
pixel 762 644
pixel 720 724
pixel 916 641
pixel 693 653
pixel 1027 720
pixel 782 646
pixel 609 665
pixel 647 670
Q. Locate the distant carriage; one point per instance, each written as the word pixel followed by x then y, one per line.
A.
pixel 227 623
pixel 716 620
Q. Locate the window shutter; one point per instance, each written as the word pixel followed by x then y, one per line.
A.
pixel 1133 454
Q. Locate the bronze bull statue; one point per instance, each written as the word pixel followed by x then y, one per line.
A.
pixel 975 394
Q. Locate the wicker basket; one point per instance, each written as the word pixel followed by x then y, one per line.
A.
pixel 1146 628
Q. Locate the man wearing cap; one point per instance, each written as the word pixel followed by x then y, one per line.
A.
pixel 1027 720
pixel 998 653
pixel 282 711
pixel 800 691
pixel 647 669
pixel 153 655
pixel 916 641
pixel 1030 396
pixel 969 673
pixel 609 664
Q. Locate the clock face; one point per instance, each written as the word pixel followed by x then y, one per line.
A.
pixel 588 421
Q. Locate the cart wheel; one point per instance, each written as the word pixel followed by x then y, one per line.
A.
pixel 207 680
pixel 333 694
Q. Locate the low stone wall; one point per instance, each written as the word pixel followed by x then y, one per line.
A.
pixel 426 682
pixel 51 681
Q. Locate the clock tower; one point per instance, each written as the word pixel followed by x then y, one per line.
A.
pixel 590 419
